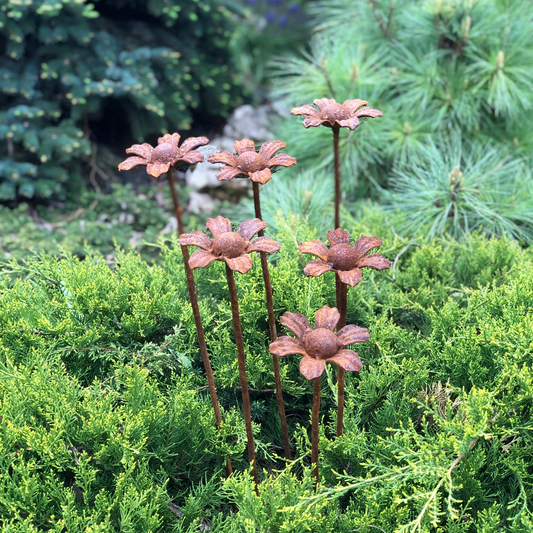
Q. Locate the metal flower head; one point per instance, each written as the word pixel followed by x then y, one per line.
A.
pixel 166 154
pixel 342 258
pixel 320 345
pixel 248 162
pixel 332 114
pixel 232 247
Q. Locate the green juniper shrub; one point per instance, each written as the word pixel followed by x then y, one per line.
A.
pixel 107 424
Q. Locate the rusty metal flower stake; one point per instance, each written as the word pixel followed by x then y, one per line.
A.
pixel 318 346
pixel 256 166
pixel 346 261
pixel 164 158
pixel 336 116
pixel 234 249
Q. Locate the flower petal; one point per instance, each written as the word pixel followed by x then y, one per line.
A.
pixel 338 236
pixel 327 317
pixel 322 103
pixel 377 261
pixel 192 157
pixel 369 112
pixel 260 176
pixel 171 139
pixel 246 145
pixel 218 225
pixel 132 162
pixel 316 268
pixel 314 122
pixel 286 346
pixel 196 238
pixel 227 173
pixel 312 368
pixel 307 110
pixel 249 228
pixel 351 123
pixel 193 142
pixel 270 148
pixel 296 322
pixel 241 264
pixel 348 360
pixel 282 160
pixel 315 247
pixel 350 277
pixel 365 244
pixel 352 334
pixel 226 158
pixel 157 168
pixel 144 150
pixel 354 105
pixel 263 244
pixel 201 259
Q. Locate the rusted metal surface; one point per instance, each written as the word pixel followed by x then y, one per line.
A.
pixel 320 345
pixel 331 114
pixel 233 248
pixel 249 163
pixel 347 261
pixel 165 155
pixel 315 421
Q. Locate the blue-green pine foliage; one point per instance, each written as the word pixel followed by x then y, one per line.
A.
pixel 72 71
pixel 107 425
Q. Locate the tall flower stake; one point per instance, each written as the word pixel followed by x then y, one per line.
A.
pixel 256 166
pixel 346 261
pixel 336 116
pixel 234 249
pixel 163 158
pixel 319 346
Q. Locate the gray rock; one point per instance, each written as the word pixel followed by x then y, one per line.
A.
pixel 200 203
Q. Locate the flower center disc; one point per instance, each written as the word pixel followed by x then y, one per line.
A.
pixel 250 162
pixel 335 112
pixel 164 153
pixel 342 257
pixel 230 245
pixel 321 343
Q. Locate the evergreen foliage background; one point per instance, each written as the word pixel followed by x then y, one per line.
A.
pixel 454 81
pixel 106 422
pixel 74 75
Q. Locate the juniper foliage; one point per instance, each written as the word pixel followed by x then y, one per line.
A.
pixel 107 425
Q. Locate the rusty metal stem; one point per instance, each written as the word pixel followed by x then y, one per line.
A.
pixel 315 419
pixel 337 176
pixel 273 331
pixel 203 346
pixel 242 372
pixel 176 201
pixel 341 302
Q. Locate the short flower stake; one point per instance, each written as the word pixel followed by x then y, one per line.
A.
pixel 335 116
pixel 234 249
pixel 163 158
pixel 318 346
pixel 257 166
pixel 346 261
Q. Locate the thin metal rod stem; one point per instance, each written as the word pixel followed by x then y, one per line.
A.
pixel 337 176
pixel 315 419
pixel 341 297
pixel 242 372
pixel 203 346
pixel 273 331
pixel 176 201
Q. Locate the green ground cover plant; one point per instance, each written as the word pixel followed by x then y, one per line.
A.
pixel 107 425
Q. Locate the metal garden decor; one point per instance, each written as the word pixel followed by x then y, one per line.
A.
pixel 328 340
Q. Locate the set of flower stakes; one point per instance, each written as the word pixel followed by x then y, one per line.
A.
pixel 327 341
